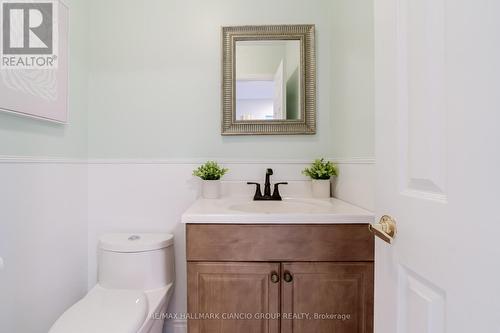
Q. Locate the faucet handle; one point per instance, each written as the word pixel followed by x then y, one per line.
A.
pixel 269 172
pixel 276 192
pixel 258 192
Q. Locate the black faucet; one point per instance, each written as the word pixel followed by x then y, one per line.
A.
pixel 267 189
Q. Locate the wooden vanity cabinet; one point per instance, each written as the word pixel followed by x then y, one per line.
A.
pixel 301 278
pixel 224 289
pixel 341 294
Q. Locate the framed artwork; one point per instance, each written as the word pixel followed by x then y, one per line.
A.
pixel 33 76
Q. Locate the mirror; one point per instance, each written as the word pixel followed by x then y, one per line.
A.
pixel 269 80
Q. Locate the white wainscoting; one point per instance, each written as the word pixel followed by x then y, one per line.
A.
pixel 356 183
pixel 75 201
pixel 43 241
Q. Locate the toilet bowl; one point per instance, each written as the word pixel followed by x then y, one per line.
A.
pixel 136 278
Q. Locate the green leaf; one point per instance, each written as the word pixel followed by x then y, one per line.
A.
pixel 210 171
pixel 321 169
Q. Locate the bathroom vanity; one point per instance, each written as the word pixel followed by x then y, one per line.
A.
pixel 298 265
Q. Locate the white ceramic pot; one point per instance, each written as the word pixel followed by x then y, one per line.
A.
pixel 321 188
pixel 210 189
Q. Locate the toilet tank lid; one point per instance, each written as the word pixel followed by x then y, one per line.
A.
pixel 135 242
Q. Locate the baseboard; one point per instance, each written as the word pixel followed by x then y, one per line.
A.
pixel 178 326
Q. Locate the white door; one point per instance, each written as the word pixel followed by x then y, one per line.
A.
pixel 438 165
pixel 279 93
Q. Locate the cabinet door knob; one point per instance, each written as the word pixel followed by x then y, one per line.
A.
pixel 288 277
pixel 275 278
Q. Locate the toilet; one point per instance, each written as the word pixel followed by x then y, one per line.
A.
pixel 135 282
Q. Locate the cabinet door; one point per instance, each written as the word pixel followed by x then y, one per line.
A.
pixel 327 297
pixel 228 291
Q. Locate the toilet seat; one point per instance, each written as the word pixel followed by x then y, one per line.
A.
pixel 105 311
pixel 114 311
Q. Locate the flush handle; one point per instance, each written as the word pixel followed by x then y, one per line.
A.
pixel 385 229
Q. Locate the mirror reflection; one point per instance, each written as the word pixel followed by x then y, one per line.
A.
pixel 268 81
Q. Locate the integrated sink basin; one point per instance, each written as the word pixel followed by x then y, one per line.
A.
pixel 287 206
pixel 290 210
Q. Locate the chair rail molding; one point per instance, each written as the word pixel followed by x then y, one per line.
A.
pixel 63 160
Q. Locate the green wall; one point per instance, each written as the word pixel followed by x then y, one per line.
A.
pixel 352 79
pixel 145 82
pixel 292 96
pixel 155 84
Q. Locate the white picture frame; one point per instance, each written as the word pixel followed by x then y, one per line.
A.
pixel 40 93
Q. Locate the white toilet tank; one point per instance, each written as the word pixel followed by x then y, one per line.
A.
pixel 136 261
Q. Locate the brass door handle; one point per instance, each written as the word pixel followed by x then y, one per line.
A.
pixel 385 229
pixel 275 278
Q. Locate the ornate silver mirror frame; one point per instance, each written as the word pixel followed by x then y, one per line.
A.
pixel 307 122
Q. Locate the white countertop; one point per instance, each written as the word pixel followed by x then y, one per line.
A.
pixel 289 211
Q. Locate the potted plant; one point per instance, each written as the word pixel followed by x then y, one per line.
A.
pixel 320 172
pixel 210 173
